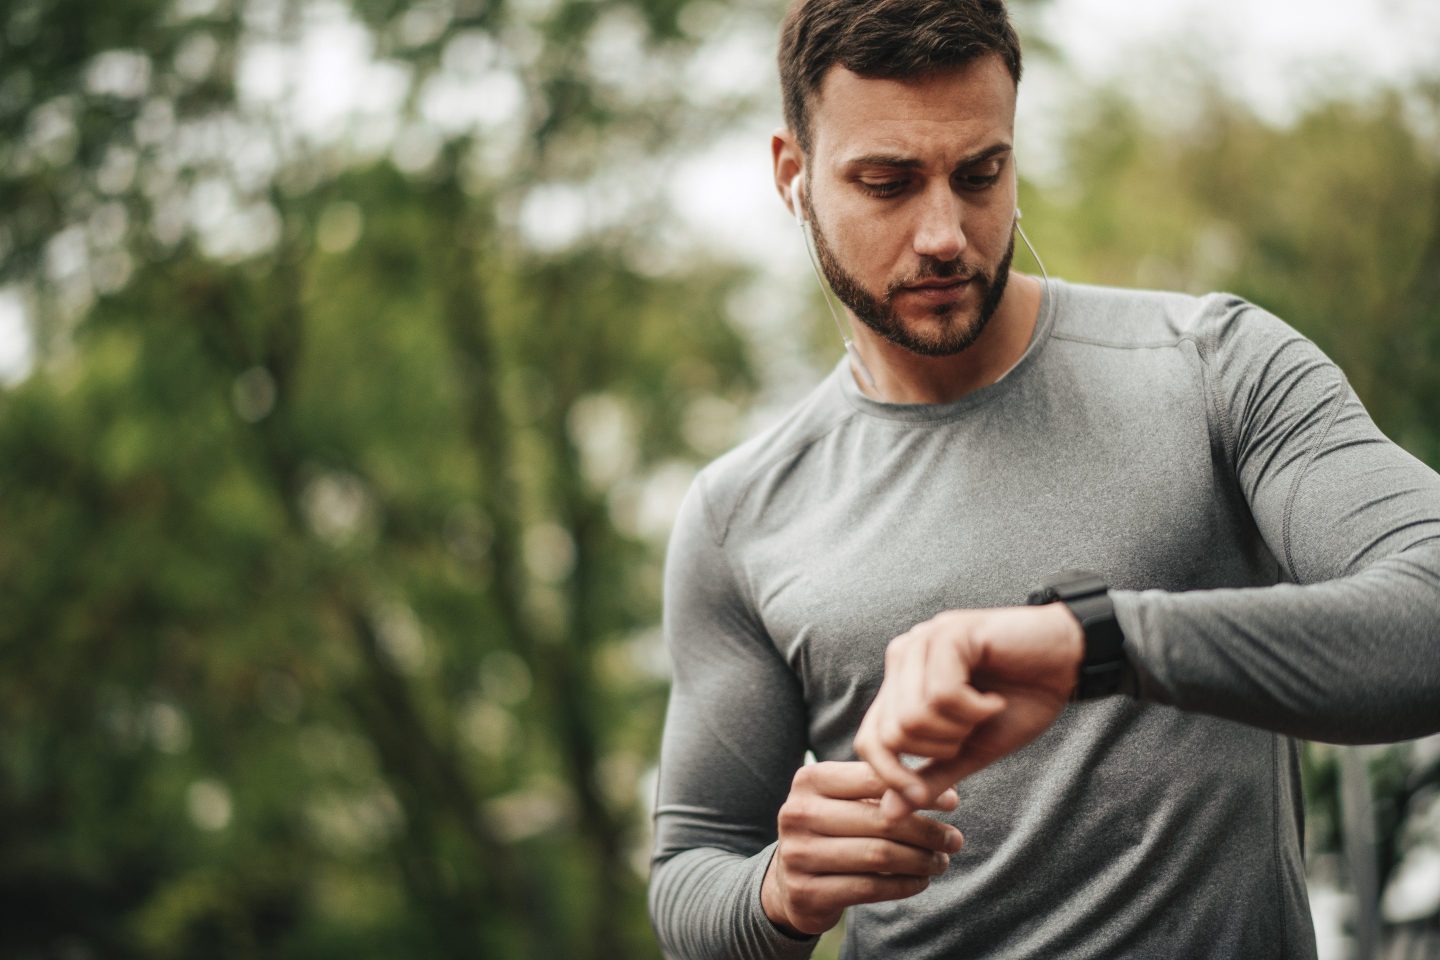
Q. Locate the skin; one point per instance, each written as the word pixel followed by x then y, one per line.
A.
pixel 946 205
pixel 910 187
pixel 965 689
pixel 837 848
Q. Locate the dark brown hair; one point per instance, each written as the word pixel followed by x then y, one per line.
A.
pixel 885 39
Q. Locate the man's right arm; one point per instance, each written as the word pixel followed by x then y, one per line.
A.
pixel 722 884
pixel 735 732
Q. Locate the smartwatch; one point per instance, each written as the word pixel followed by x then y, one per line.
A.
pixel 1105 670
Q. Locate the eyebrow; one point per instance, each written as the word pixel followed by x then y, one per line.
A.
pixel 900 162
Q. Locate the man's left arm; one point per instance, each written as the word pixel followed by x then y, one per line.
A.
pixel 1349 652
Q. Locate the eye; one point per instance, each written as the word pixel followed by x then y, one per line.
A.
pixel 978 181
pixel 887 188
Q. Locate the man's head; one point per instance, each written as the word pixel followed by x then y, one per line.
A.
pixel 885 40
pixel 901 121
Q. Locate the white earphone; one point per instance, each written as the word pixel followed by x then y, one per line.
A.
pixel 854 352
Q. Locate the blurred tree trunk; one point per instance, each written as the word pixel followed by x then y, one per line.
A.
pixel 1358 812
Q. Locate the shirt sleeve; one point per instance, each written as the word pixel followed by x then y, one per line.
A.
pixel 1348 651
pixel 735 733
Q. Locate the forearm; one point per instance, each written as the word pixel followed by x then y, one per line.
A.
pixel 705 905
pixel 1350 660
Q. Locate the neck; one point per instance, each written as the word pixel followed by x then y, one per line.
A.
pixel 905 377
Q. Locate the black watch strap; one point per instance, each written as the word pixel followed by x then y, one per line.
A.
pixel 1105 670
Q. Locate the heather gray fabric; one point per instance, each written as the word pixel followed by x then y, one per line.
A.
pixel 1277 565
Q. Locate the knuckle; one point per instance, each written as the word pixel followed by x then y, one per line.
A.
pixel 799 811
pixel 913 719
pixel 948 697
pixel 893 737
pixel 804 778
pixel 803 893
pixel 876 855
pixel 893 822
pixel 797 857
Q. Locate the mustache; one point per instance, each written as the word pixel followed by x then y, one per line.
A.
pixel 933 269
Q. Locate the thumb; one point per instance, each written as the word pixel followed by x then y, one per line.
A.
pixel 941 775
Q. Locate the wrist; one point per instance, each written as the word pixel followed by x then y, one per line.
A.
pixel 1104 667
pixel 1067 632
pixel 772 904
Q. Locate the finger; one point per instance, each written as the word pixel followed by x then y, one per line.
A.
pixel 909 725
pixel 822 855
pixel 1008 732
pixel 888 767
pixel 922 737
pixel 907 699
pixel 949 691
pixel 920 705
pixel 895 806
pixel 850 818
pixel 843 780
pixel 871 740
pixel 944 774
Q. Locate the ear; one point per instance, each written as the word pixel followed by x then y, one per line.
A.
pixel 789 163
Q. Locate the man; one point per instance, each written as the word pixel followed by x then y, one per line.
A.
pixel 1264 565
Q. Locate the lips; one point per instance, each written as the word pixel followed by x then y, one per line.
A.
pixel 946 284
pixel 938 289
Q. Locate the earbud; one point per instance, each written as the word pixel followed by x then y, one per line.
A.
pixel 854 353
pixel 1018 214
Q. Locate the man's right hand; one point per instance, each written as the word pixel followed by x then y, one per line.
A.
pixel 836 848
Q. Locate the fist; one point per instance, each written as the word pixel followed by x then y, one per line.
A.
pixel 836 848
pixel 964 689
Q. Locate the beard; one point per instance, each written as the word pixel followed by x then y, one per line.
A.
pixel 959 329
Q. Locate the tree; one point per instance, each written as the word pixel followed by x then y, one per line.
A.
pixel 322 585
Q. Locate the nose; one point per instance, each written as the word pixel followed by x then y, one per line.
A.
pixel 938 230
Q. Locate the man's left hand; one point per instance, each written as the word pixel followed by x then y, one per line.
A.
pixel 965 689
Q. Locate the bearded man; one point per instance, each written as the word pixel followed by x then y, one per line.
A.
pixel 1222 552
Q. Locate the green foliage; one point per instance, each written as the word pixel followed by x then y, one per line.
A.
pixel 321 634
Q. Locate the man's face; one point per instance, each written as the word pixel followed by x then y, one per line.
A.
pixel 910 195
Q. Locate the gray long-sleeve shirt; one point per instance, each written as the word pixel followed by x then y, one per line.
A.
pixel 1277 570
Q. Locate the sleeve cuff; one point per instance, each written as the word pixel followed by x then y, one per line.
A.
pixel 779 944
pixel 1141 646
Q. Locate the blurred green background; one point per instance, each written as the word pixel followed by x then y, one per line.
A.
pixel 354 357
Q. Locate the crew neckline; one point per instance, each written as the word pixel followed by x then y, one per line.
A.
pixel 1044 324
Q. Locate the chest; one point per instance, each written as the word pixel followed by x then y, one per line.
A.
pixel 863 539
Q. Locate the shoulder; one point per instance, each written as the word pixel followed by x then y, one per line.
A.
pixel 1137 319
pixel 724 484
